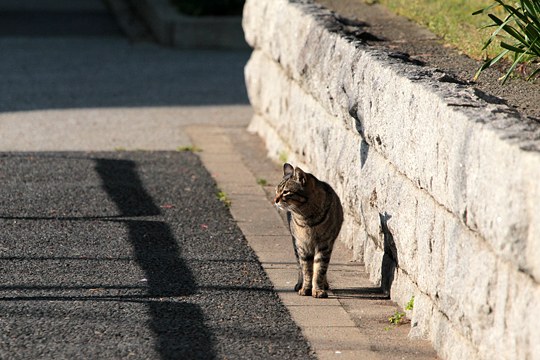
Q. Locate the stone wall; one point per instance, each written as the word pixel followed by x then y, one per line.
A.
pixel 441 189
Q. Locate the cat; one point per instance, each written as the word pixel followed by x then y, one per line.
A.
pixel 315 215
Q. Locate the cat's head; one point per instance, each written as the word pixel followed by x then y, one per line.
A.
pixel 293 190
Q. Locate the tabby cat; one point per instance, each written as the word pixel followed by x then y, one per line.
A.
pixel 315 216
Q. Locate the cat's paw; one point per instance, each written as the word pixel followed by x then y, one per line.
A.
pixel 320 294
pixel 298 286
pixel 325 285
pixel 304 292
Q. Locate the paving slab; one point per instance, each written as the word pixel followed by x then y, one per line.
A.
pixel 334 326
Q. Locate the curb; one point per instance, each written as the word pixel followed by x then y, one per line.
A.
pixel 189 32
pixel 353 322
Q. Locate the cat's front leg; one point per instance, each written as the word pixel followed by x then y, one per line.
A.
pixel 320 267
pixel 320 284
pixel 307 275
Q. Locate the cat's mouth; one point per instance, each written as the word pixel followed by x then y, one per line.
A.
pixel 280 204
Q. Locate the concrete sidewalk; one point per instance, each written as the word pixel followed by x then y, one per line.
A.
pixel 89 93
pixel 353 322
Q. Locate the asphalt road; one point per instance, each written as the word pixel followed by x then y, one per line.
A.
pixel 121 254
pixel 129 255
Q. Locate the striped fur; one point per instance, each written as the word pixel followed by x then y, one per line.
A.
pixel 315 216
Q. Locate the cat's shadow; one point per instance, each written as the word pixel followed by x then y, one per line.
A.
pixel 365 293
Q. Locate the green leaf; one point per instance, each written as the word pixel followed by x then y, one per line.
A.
pixel 514 64
pixel 511 48
pixel 484 10
pixel 534 73
pixel 490 62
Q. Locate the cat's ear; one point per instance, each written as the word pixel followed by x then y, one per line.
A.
pixel 301 176
pixel 288 170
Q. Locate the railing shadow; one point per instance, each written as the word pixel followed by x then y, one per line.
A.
pixel 157 253
pixel 178 326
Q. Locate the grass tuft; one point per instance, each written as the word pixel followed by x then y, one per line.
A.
pixel 509 31
pixel 410 304
pixel 449 19
pixel 222 196
pixel 397 318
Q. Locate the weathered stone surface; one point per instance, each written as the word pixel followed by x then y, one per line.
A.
pixel 440 188
pixel 437 133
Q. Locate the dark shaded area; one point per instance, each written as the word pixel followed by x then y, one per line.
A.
pixel 390 257
pixel 180 331
pixel 179 326
pixel 350 28
pixel 376 293
pixel 406 58
pixel 359 126
pixel 67 74
pixel 210 7
pixel 364 153
pixel 157 253
pixel 123 185
pixel 57 23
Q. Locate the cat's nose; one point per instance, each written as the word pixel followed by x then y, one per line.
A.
pixel 277 199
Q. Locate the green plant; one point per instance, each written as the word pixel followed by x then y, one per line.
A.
pixel 522 27
pixel 410 304
pixel 189 148
pixel 222 196
pixel 397 318
pixel 262 182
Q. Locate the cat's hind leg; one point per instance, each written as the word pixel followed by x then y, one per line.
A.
pixel 300 280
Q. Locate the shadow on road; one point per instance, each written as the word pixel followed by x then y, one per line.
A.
pixel 157 253
pixel 177 325
pixel 76 58
pixel 57 23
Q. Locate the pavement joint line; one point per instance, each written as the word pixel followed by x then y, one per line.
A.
pixel 305 319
